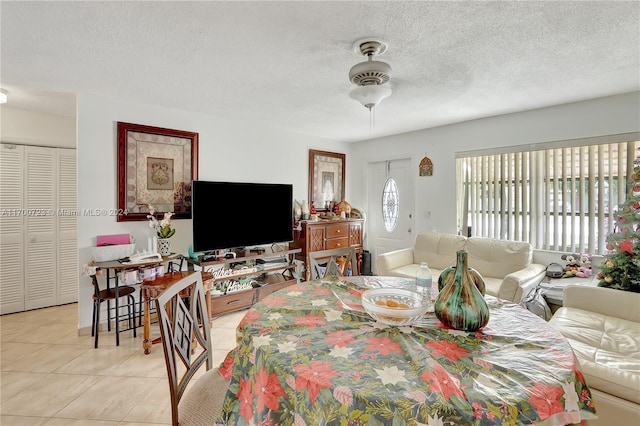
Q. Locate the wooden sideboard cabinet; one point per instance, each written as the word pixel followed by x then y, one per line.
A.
pixel 327 235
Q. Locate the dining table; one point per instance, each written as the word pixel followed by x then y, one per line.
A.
pixel 310 355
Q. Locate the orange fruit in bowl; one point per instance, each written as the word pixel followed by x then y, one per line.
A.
pixel 390 303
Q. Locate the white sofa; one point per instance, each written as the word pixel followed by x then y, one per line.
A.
pixel 603 328
pixel 506 266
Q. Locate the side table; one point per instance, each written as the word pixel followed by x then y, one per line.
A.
pixel 553 288
pixel 152 288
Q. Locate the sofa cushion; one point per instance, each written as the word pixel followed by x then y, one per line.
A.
pixel 607 348
pixel 410 271
pixel 492 285
pixel 497 258
pixel 438 250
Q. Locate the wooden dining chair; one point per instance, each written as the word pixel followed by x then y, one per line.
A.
pixel 333 262
pixel 183 323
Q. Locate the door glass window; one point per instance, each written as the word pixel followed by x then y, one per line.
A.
pixel 390 205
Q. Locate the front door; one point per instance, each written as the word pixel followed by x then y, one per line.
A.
pixel 390 206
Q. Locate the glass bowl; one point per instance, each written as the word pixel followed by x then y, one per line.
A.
pixel 395 306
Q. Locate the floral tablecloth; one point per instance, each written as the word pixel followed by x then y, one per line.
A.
pixel 308 355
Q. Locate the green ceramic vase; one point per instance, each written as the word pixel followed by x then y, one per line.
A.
pixel 451 270
pixel 460 304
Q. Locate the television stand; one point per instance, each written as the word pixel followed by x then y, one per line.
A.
pixel 261 272
pixel 217 255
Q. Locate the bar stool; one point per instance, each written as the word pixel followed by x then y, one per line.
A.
pixel 107 295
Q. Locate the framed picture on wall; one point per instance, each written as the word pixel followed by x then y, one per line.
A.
pixel 155 167
pixel 326 178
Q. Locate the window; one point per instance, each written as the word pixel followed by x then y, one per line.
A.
pixel 390 205
pixel 562 198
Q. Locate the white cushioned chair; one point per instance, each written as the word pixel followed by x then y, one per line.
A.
pixel 506 266
pixel 603 328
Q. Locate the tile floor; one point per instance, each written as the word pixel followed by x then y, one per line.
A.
pixel 51 376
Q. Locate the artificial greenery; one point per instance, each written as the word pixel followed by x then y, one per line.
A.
pixel 621 267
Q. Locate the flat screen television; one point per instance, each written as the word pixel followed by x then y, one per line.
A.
pixel 228 215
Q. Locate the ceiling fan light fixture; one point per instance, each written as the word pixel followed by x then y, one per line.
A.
pixel 371 77
pixel 371 95
pixel 370 72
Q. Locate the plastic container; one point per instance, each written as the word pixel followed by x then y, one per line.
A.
pixel 115 252
pixel 424 280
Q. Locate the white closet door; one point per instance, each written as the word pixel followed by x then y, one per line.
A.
pixel 11 229
pixel 67 227
pixel 41 270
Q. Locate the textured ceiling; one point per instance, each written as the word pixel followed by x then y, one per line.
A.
pixel 285 64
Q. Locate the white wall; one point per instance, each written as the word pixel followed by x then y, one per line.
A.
pixel 232 151
pixel 37 128
pixel 437 193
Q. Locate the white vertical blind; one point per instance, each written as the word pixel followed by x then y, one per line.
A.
pixel 559 198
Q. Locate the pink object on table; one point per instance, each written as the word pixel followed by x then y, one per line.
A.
pixel 110 240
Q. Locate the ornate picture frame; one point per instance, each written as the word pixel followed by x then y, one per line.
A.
pixel 326 178
pixel 155 166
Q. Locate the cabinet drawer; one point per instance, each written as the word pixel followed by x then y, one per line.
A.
pixel 231 302
pixel 338 230
pixel 336 243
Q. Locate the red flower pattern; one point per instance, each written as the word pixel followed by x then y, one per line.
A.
pixel 276 301
pixel 546 399
pixel 449 350
pixel 357 292
pixel 313 377
pixel 311 320
pixel 268 389
pixel 250 316
pixel 442 382
pixel 246 399
pixel 383 345
pixel 226 369
pixel 339 338
pixel 321 291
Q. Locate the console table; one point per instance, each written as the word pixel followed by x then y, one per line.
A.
pixel 327 235
pixel 267 275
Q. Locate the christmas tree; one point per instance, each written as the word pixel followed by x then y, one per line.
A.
pixel 621 267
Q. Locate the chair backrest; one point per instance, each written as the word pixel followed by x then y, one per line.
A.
pixel 333 260
pixel 183 320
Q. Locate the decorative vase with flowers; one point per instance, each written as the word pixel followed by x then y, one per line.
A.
pixel 163 229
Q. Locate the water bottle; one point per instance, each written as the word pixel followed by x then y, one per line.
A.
pixel 423 280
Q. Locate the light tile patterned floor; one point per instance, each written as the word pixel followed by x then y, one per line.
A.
pixel 51 376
